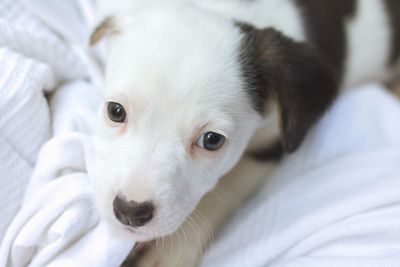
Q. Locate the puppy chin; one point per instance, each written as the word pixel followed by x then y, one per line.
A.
pixel 135 234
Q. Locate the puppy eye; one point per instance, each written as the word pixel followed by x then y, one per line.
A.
pixel 211 141
pixel 116 112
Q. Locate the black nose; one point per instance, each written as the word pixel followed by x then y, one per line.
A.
pixel 132 213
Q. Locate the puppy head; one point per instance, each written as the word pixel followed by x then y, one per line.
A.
pixel 185 91
pixel 176 116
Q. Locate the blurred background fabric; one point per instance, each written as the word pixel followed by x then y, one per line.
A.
pixel 24 126
pixel 333 203
pixel 32 60
pixel 50 89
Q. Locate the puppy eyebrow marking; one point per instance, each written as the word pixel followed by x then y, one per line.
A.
pixel 107 26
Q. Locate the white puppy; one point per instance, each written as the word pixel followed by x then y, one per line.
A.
pixel 190 85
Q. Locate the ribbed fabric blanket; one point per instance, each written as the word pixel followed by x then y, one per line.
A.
pixel 32 60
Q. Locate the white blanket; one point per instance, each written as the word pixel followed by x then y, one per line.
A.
pixel 57 224
pixel 334 203
pixel 32 59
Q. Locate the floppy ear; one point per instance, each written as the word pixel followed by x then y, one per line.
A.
pixel 292 74
pixel 106 27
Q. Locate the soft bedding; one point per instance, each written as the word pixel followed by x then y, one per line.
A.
pixel 336 202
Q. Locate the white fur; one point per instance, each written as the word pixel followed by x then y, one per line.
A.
pixel 184 248
pixel 280 14
pixel 177 79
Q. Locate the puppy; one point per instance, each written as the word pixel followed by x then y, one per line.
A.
pixel 192 85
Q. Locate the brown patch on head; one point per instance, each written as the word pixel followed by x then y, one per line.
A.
pixel 293 74
pixel 106 27
pixel 325 25
pixel 393 10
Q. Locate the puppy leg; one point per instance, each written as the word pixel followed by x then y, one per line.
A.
pixel 185 247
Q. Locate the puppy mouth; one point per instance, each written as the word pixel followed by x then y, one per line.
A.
pixel 131 230
pixel 140 236
pixel 144 235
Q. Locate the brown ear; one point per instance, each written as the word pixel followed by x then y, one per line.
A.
pixel 106 27
pixel 294 75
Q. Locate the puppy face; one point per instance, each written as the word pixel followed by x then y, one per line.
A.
pixel 185 92
pixel 176 117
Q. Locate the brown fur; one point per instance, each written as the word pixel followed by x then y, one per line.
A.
pixel 393 9
pixel 107 26
pixel 291 73
pixel 324 21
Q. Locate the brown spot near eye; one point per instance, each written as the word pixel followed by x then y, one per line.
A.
pixel 194 151
pixel 123 129
pixel 191 148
